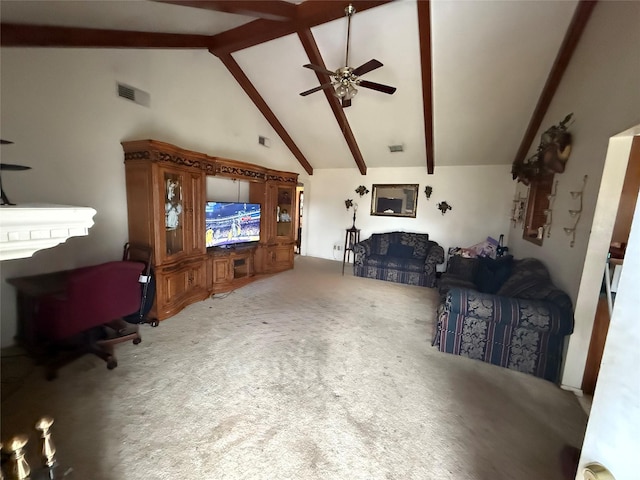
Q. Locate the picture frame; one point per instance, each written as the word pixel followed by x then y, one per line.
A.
pixel 394 200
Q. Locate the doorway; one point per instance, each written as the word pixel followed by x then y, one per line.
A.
pixel 618 244
pixel 298 218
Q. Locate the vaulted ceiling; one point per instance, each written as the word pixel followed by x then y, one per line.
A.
pixel 473 78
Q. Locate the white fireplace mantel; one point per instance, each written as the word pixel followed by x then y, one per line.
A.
pixel 27 228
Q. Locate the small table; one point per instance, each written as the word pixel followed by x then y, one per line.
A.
pixel 351 238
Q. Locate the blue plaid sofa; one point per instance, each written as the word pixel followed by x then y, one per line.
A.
pixel 400 257
pixel 522 325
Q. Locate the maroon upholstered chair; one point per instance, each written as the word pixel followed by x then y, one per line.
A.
pixel 93 297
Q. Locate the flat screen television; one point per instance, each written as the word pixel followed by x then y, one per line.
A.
pixel 229 223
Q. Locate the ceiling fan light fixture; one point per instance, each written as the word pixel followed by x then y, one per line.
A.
pixel 341 90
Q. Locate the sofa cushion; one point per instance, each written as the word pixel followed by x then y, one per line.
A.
pixel 399 250
pixel 526 274
pixel 463 268
pixel 492 273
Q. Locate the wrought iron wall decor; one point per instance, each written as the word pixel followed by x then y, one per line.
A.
pixel 362 190
pixel 428 191
pixel 443 207
pixel 518 208
pixel 576 213
pixel 549 211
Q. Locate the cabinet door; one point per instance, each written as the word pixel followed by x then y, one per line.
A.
pixel 195 214
pixel 180 285
pixel 222 271
pixel 173 237
pixel 182 232
pixel 285 211
pixel 279 257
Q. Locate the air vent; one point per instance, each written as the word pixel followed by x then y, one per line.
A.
pixel 134 94
pixel 264 141
pixel 396 148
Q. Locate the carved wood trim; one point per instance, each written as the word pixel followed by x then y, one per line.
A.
pixel 160 152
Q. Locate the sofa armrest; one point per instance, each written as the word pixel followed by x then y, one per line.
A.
pixel 435 256
pixel 539 315
pixel 361 250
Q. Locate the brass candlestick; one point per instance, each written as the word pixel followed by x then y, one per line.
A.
pixel 48 448
pixel 16 446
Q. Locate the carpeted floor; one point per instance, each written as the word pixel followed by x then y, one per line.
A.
pixel 303 375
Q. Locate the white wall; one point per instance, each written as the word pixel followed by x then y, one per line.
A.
pixel 612 433
pixel 60 108
pixel 601 88
pixel 480 197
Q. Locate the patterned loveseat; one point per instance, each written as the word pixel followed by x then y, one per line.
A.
pixel 400 257
pixel 519 323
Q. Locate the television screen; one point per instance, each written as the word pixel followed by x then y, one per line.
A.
pixel 229 223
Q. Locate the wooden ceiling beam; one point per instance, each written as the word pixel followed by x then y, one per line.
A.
pixel 19 35
pixel 273 10
pixel 268 114
pixel 424 28
pixel 308 14
pixel 572 37
pixel 311 47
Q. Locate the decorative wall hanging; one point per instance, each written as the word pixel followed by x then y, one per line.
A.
pixel 428 191
pixel 549 211
pixel 576 213
pixel 362 190
pixel 550 157
pixel 393 200
pixel 517 210
pixel 348 203
pixel 443 207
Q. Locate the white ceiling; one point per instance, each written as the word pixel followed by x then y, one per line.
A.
pixel 490 63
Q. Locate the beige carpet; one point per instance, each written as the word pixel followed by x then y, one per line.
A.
pixel 303 375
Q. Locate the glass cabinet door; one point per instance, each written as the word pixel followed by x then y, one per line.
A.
pixel 285 211
pixel 174 213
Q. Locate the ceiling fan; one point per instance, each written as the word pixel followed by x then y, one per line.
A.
pixel 345 79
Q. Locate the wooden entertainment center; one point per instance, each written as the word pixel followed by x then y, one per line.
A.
pixel 166 196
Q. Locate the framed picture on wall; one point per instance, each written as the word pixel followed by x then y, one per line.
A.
pixel 394 200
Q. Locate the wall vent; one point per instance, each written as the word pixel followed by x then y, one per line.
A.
pixel 264 141
pixel 134 94
pixel 396 148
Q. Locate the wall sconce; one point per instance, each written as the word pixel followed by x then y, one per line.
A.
pixel 517 211
pixel 362 190
pixel 443 207
pixel 428 191
pixel 575 213
pixel 549 211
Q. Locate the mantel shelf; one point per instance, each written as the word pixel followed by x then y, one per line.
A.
pixel 27 228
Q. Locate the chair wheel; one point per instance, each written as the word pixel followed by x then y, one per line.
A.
pixel 154 323
pixel 136 341
pixel 111 364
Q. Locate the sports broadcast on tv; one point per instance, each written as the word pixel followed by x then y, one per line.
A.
pixel 229 223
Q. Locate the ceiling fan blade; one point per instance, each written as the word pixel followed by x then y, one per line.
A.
pixel 319 69
pixel 366 67
pixel 346 102
pixel 377 86
pixel 316 89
